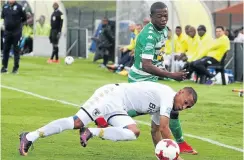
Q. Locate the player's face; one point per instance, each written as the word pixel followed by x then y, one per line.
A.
pixel 55 6
pixel 219 32
pixel 132 27
pixel 187 30
pixel 139 28
pixel 200 32
pixel 160 18
pixel 11 1
pixel 183 100
pixel 104 22
pixel 42 20
pixel 192 32
pixel 178 31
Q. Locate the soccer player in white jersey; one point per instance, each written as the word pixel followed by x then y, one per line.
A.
pixel 113 101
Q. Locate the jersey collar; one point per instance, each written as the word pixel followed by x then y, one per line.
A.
pixel 164 31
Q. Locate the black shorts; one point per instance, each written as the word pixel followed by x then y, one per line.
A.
pixel 54 38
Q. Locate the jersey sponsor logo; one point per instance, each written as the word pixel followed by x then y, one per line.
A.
pixel 150 37
pixel 149 46
pixel 96 112
pixel 54 18
pixel 151 108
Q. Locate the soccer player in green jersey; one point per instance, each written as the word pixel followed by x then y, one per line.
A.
pixel 151 38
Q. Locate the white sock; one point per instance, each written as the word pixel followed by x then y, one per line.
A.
pixel 113 133
pixel 53 127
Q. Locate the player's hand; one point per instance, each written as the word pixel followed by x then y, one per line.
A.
pixel 179 76
pixel 125 49
pixel 59 35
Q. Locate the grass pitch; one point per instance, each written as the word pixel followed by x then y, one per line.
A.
pixel 217 115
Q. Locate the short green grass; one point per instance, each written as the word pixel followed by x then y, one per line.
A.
pixel 217 115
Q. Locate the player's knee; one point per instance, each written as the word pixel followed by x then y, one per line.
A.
pixel 77 122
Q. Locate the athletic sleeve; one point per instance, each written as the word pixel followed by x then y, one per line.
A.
pixel 165 110
pixel 156 118
pixel 61 21
pixel 22 14
pixel 148 42
pixel 166 103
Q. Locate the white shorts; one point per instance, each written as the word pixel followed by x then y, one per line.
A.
pixel 106 102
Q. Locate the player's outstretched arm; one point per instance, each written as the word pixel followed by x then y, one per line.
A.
pixel 155 132
pixel 148 67
pixel 164 127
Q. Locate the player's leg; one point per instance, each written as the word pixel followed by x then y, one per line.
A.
pixel 176 130
pixel 105 101
pixel 201 66
pixel 124 129
pixel 7 42
pixel 16 41
pixel 54 127
pixel 55 45
pixel 51 38
pixel 81 119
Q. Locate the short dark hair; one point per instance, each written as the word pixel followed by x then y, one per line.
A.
pixel 201 28
pixel 157 5
pixel 187 26
pixel 191 91
pixel 178 27
pixel 220 27
pixel 105 18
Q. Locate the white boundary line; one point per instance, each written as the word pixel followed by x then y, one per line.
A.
pixel 141 122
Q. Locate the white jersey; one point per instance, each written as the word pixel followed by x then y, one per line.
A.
pixel 143 97
pixel 148 98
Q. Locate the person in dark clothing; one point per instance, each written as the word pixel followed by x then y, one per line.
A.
pixel 56 28
pixel 13 16
pixel 106 41
pixel 229 34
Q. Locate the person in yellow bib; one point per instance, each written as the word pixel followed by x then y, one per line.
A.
pixel 127 51
pixel 192 45
pixel 26 45
pixel 212 54
pixel 204 40
pixel 42 28
pixel 180 43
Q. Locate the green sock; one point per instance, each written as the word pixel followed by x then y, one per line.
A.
pixel 175 127
pixel 132 113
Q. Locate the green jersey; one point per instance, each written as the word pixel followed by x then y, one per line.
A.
pixel 148 44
